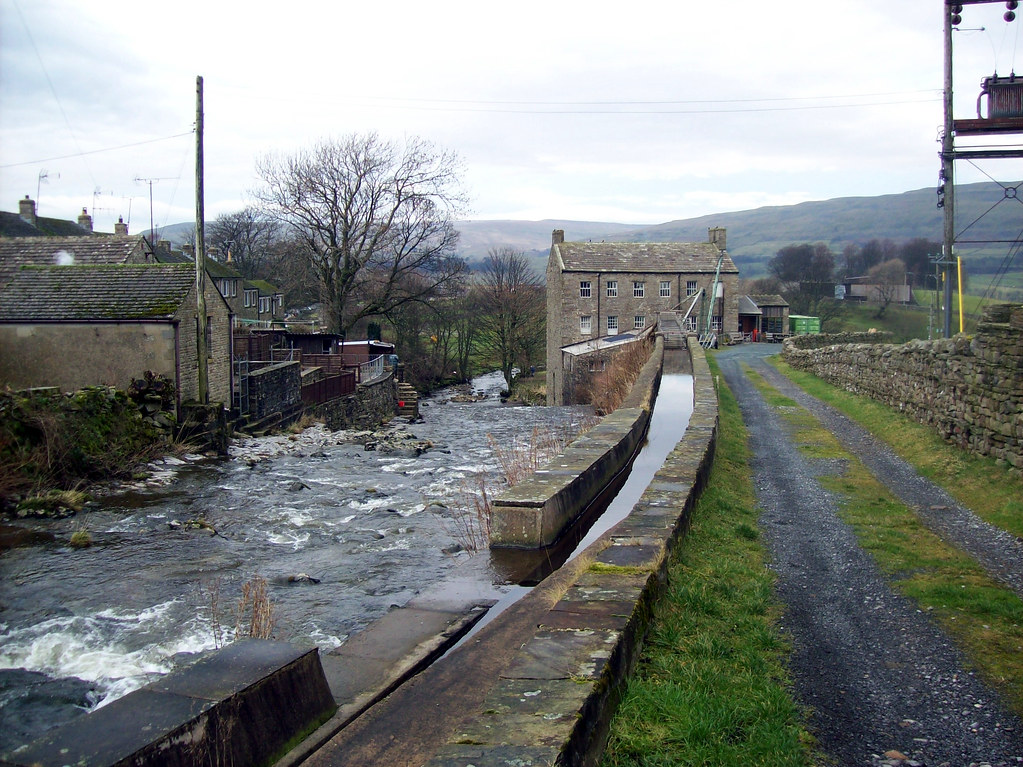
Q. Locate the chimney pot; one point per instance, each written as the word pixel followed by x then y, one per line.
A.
pixel 120 227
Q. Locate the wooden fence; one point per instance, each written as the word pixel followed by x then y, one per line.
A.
pixel 329 388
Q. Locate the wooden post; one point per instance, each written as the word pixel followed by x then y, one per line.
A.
pixel 202 343
pixel 948 176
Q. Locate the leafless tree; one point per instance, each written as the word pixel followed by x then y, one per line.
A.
pixel 886 279
pixel 512 310
pixel 251 237
pixel 375 220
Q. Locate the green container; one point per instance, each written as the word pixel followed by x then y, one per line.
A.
pixel 800 324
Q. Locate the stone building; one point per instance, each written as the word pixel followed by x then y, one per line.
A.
pixel 76 326
pixel 598 292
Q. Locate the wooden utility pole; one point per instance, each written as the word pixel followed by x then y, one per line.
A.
pixel 202 342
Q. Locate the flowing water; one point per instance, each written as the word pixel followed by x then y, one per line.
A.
pixel 340 533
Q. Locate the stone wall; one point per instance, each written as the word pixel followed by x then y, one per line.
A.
pixel 275 389
pixel 817 340
pixel 218 349
pixel 370 405
pixel 970 390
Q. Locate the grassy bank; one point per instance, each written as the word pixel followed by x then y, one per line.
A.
pixel 977 482
pixel 711 685
pixel 984 617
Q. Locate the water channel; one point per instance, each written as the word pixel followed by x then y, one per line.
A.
pixel 340 533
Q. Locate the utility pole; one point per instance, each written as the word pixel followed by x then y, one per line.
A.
pixel 150 181
pixel 202 342
pixel 948 174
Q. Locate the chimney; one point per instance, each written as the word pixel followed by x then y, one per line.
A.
pixel 164 245
pixel 85 220
pixel 120 227
pixel 558 237
pixel 27 210
pixel 188 250
pixel 716 236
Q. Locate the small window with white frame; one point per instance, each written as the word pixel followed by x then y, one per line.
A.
pixel 638 289
pixel 584 289
pixel 586 324
pixel 690 324
pixel 639 322
pixel 665 288
pixel 692 288
pixel 612 288
pixel 612 324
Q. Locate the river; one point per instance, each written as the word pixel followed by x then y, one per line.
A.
pixel 340 533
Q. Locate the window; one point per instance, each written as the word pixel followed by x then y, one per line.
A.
pixel 584 289
pixel 612 325
pixel 264 304
pixel 665 288
pixel 612 288
pixel 692 288
pixel 586 324
pixel 690 323
pixel 638 322
pixel 250 297
pixel 225 288
pixel 638 289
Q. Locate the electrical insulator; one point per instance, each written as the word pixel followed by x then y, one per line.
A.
pixel 957 9
pixel 1012 5
pixel 1009 16
pixel 956 19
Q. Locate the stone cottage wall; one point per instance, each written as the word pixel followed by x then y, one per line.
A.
pixel 970 390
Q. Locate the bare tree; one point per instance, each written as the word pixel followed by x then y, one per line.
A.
pixel 886 279
pixel 251 237
pixel 375 220
pixel 512 310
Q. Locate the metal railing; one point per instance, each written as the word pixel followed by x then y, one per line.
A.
pixel 372 369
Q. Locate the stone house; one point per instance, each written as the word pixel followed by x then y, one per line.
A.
pixel 763 317
pixel 608 289
pixel 75 326
pixel 78 250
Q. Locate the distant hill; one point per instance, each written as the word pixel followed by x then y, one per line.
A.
pixel 754 236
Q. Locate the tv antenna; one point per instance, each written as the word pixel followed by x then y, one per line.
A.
pixel 44 175
pixel 151 181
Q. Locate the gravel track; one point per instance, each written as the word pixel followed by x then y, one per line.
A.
pixel 879 677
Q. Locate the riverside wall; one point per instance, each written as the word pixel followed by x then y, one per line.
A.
pixel 574 667
pixel 367 408
pixel 535 513
pixel 968 389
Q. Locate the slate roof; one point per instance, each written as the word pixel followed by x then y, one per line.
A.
pixel 769 300
pixel 747 306
pixel 97 292
pixel 16 252
pixel 13 225
pixel 691 257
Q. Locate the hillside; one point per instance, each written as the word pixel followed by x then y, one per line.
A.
pixel 754 236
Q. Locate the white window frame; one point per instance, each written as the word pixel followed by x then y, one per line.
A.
pixel 692 288
pixel 638 289
pixel 612 324
pixel 612 288
pixel 665 288
pixel 586 324
pixel 585 289
pixel 639 322
pixel 690 323
pixel 265 303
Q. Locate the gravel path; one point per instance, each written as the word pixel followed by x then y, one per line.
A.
pixel 882 680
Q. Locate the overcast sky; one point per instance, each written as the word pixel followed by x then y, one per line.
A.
pixel 639 112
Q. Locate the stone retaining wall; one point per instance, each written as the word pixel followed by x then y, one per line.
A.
pixel 535 513
pixel 970 390
pixel 371 405
pixel 275 389
pixel 555 700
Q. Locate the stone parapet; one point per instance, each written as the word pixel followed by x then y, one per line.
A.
pixel 535 513
pixel 970 390
pixel 554 701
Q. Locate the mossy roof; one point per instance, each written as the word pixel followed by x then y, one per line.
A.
pixel 82 250
pixel 98 292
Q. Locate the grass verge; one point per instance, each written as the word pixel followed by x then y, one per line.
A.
pixel 711 685
pixel 984 617
pixel 977 482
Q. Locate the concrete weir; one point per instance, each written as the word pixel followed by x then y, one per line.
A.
pixel 246 704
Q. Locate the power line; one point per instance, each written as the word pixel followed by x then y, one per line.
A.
pixel 96 151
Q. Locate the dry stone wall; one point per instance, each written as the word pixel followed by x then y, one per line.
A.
pixel 970 389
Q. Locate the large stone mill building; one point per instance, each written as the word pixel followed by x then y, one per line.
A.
pixel 607 293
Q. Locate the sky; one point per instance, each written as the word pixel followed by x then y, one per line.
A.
pixel 635 113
